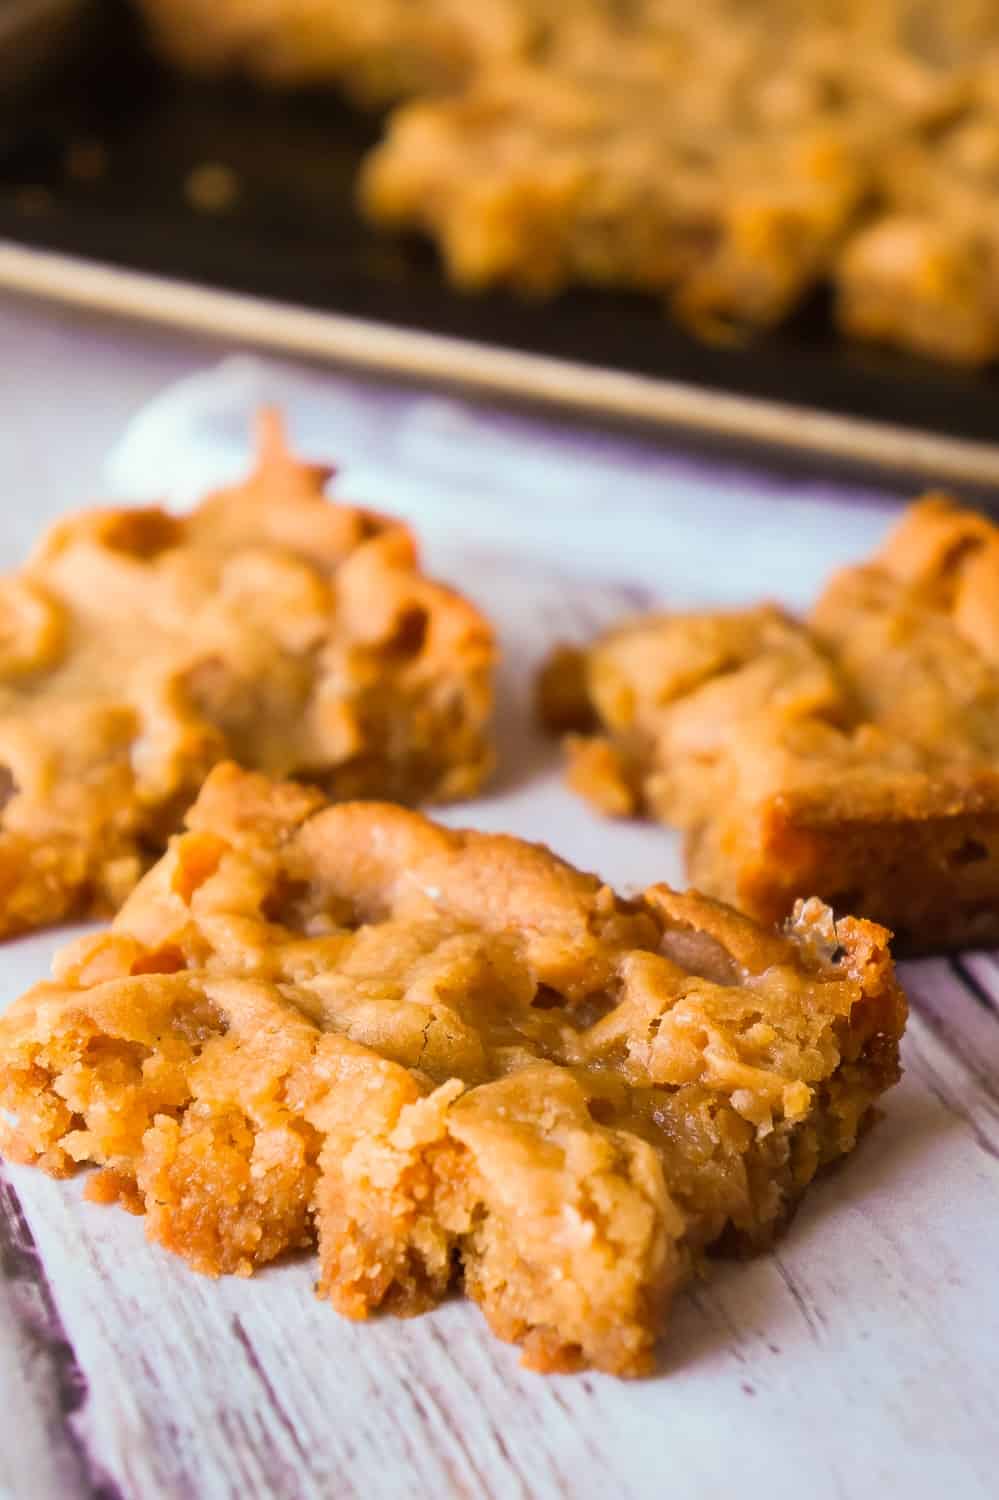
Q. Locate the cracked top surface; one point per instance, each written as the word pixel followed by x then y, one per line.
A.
pixel 139 648
pixel 428 1049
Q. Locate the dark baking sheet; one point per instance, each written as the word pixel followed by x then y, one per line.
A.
pixel 293 235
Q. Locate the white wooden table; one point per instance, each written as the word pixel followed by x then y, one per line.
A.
pixel 860 1360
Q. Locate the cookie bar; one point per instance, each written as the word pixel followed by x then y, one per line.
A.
pixel 378 50
pixel 438 1054
pixel 855 756
pixel 541 174
pixel 139 648
pixel 729 157
pixel 924 273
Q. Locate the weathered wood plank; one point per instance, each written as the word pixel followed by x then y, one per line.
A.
pixel 861 1358
pixel 868 1321
pixel 959 1055
pixel 42 1383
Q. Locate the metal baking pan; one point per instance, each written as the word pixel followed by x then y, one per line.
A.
pixel 218 207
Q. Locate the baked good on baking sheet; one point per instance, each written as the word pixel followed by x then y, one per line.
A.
pixel 377 50
pixel 728 156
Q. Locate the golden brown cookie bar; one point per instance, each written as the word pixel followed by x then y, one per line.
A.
pixel 855 756
pixel 726 155
pixel 925 283
pixel 541 175
pixel 924 271
pixel 443 1054
pixel 138 648
pixel 376 49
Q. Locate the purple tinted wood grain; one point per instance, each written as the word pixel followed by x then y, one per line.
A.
pixel 860 1358
pixel 50 1371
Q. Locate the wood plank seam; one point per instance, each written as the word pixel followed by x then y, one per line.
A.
pixel 39 1319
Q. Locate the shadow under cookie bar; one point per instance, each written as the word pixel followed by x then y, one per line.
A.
pixel 270 625
pixel 446 1057
pixel 855 756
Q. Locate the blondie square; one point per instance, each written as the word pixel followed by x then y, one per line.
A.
pixel 855 756
pixel 447 1056
pixel 377 50
pixel 618 162
pixel 728 157
pixel 139 648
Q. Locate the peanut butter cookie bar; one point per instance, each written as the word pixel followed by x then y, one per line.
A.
pixel 444 1055
pixel 544 174
pixel 729 157
pixel 377 50
pixel 139 648
pixel 855 756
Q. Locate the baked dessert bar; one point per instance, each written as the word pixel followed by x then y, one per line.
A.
pixel 601 170
pixel 377 50
pixel 725 155
pixel 924 273
pixel 139 648
pixel 855 756
pixel 730 157
pixel 440 1054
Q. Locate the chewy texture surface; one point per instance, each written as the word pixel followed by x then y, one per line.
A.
pixel 855 757
pixel 139 648
pixel 447 1056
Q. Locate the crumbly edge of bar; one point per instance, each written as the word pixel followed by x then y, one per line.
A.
pixel 80 1092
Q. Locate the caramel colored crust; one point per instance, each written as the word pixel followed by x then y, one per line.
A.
pixel 856 757
pixel 138 649
pixel 440 1054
